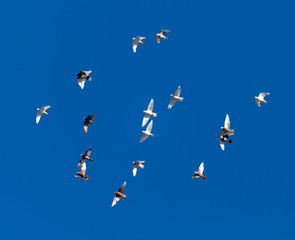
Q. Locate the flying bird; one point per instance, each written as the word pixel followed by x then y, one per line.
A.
pixel 175 97
pixel 223 140
pixel 87 121
pixel 162 35
pixel 136 165
pixel 226 128
pixel 82 172
pixel 260 98
pixel 85 157
pixel 40 112
pixel 136 41
pixel 148 113
pixel 200 171
pixel 147 132
pixel 119 194
pixel 82 76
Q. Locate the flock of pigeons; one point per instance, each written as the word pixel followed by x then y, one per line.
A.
pixel 83 76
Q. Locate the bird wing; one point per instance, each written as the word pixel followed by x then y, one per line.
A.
pixel 165 31
pixel 38 116
pixel 122 188
pixel 115 200
pixel 83 167
pixel 222 144
pixel 227 122
pixel 145 119
pixel 143 137
pixel 86 126
pixel 87 153
pixel 134 46
pixel 178 91
pixel 263 94
pixel 86 73
pixel 151 105
pixel 149 127
pixel 158 39
pixel 45 108
pixel 172 102
pixel 134 170
pixel 221 134
pixel 140 38
pixel 257 102
pixel 201 168
pixel 81 82
pixel 91 116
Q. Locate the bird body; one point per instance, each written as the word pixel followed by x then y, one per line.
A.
pixel 40 112
pixel 161 35
pixel 136 41
pixel 260 98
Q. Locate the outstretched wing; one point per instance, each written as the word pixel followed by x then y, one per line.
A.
pixel 257 102
pixel 90 117
pixel 87 153
pixel 81 82
pixel 201 168
pixel 172 102
pixel 178 91
pixel 227 122
pixel 145 119
pixel 122 188
pixel 115 200
pixel 86 73
pixel 222 144
pixel 134 170
pixel 165 31
pixel 149 127
pixel 143 137
pixel 134 46
pixel 151 105
pixel 263 94
pixel 38 116
pixel 45 108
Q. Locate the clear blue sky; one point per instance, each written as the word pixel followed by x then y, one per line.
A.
pixel 222 53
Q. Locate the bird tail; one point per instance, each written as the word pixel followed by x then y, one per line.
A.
pixel 181 99
pixel 155 114
pixel 141 43
pixel 165 38
pixel 124 196
pixel 152 135
pixel 89 78
pixel 265 102
pixel 141 166
pixel 85 177
pixel 204 176
pixel 230 141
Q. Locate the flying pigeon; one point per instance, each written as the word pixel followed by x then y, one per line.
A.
pixel 260 98
pixel 87 121
pixel 224 138
pixel 161 35
pixel 136 41
pixel 148 113
pixel 85 157
pixel 82 172
pixel 147 132
pixel 119 194
pixel 40 112
pixel 199 173
pixel 226 129
pixel 175 97
pixel 136 165
pixel 82 76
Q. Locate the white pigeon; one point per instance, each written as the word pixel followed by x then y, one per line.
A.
pixel 200 171
pixel 175 97
pixel 161 35
pixel 226 129
pixel 260 98
pixel 136 165
pixel 148 113
pixel 40 112
pixel 136 41
pixel 82 76
pixel 147 132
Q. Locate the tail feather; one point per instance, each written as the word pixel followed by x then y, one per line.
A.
pixel 265 102
pixel 124 196
pixel 155 114
pixel 204 176
pixel 181 99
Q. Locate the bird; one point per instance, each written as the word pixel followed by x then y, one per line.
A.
pixel 40 112
pixel 82 172
pixel 161 35
pixel 119 194
pixel 85 157
pixel 260 98
pixel 136 41
pixel 224 138
pixel 148 113
pixel 82 76
pixel 147 132
pixel 175 97
pixel 226 129
pixel 87 121
pixel 199 173
pixel 136 165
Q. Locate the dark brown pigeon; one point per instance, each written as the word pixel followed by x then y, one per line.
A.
pixel 119 194
pixel 87 121
pixel 85 157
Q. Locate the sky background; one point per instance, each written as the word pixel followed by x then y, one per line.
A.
pixel 222 53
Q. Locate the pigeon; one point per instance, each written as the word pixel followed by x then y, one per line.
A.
pixel 136 165
pixel 87 121
pixel 175 97
pixel 136 41
pixel 82 172
pixel 161 35
pixel 148 113
pixel 119 194
pixel 147 132
pixel 85 157
pixel 224 138
pixel 41 111
pixel 82 76
pixel 226 129
pixel 260 98
pixel 199 173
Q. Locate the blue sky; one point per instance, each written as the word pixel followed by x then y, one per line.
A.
pixel 235 50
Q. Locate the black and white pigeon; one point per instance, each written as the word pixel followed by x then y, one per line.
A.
pixel 161 35
pixel 82 76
